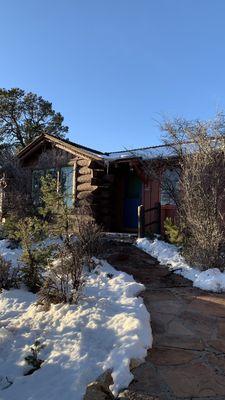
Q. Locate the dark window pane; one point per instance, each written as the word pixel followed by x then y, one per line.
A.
pixel 169 186
pixel 52 172
pixel 36 185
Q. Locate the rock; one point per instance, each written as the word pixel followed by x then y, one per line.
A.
pixel 193 380
pixel 208 304
pixel 106 378
pixel 182 342
pixel 99 389
pixel 166 356
pixel 134 363
pixel 130 395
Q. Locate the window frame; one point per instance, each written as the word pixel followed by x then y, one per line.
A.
pixel 58 178
pixel 165 198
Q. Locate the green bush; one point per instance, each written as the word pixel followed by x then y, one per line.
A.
pixel 172 232
pixel 28 231
pixel 10 228
pixel 54 210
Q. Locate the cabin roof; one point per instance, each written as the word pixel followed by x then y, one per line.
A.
pixel 146 153
pixel 67 144
pixel 142 152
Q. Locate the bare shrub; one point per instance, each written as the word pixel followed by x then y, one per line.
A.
pixel 161 166
pixel 17 194
pixel 199 149
pixel 64 279
pixel 88 233
pixel 9 276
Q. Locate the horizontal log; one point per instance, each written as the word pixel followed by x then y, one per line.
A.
pixel 84 171
pixel 88 179
pixel 83 162
pixel 86 187
pixel 84 178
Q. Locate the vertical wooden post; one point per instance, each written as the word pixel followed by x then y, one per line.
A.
pixel 141 221
pixel 74 190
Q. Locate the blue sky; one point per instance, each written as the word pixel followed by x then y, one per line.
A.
pixel 114 67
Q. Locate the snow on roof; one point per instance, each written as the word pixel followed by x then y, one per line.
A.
pixel 144 153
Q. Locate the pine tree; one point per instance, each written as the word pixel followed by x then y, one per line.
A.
pixel 54 209
pixel 24 116
pixel 34 259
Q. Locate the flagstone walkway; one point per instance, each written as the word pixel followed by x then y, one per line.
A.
pixel 187 360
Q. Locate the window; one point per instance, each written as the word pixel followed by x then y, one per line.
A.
pixel 66 181
pixel 36 185
pixel 169 186
pixel 52 172
pixel 64 177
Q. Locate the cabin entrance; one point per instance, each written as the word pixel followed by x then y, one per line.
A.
pixel 132 199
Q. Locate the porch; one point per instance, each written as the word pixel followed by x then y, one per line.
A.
pixel 136 201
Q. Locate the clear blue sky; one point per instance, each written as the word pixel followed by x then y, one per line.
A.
pixel 112 67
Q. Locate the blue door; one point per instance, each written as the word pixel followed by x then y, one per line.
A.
pixel 132 199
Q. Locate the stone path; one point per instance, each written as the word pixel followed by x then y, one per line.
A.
pixel 187 360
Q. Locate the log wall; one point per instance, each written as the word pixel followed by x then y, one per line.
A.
pixel 94 186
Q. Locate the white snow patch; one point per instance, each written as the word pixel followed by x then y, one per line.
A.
pixel 212 279
pixel 106 329
pixel 13 255
pixel 9 254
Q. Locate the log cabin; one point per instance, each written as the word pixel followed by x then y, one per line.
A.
pixel 114 184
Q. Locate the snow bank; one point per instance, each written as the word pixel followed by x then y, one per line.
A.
pixel 212 279
pixel 109 327
pixel 11 255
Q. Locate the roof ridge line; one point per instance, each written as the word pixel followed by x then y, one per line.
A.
pixel 139 148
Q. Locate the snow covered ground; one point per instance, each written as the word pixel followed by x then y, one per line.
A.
pixel 109 327
pixel 168 254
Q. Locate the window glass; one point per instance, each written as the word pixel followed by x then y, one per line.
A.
pixel 52 172
pixel 36 184
pixel 169 186
pixel 66 181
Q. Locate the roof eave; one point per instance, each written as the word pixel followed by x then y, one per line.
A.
pixel 72 148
